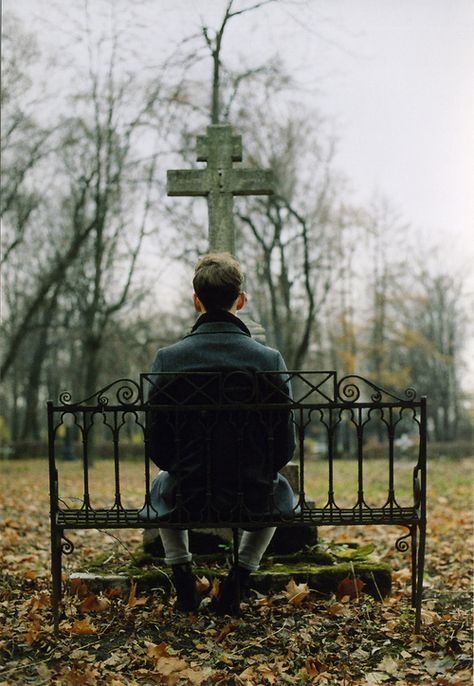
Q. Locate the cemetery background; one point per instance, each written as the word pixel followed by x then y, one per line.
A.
pixel 96 266
pixel 88 133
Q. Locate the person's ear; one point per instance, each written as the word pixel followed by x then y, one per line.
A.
pixel 241 301
pixel 197 304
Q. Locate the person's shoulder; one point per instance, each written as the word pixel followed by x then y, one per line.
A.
pixel 263 347
pixel 264 350
pixel 271 351
pixel 174 347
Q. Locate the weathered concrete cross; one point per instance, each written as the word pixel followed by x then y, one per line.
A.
pixel 219 182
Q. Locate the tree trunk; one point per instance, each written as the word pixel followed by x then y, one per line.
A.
pixel 30 420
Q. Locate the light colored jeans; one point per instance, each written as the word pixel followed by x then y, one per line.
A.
pixel 251 548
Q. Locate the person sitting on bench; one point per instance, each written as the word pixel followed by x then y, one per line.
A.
pixel 219 342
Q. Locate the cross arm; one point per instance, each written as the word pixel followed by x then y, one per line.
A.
pixel 252 182
pixel 187 182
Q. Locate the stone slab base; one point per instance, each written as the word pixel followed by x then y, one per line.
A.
pixel 321 578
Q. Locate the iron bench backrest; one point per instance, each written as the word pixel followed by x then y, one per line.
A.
pixel 330 420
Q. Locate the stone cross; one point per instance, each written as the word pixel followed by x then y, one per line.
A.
pixel 219 182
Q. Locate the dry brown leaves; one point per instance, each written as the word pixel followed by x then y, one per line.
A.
pixel 172 669
pixel 290 637
pixel 297 593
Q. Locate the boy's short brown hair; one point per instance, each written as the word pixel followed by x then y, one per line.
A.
pixel 218 281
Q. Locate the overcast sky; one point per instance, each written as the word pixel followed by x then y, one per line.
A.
pixel 395 76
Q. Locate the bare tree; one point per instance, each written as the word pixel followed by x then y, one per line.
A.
pixel 100 193
pixel 214 43
pixel 24 142
pixel 292 241
pixel 386 275
pixel 434 334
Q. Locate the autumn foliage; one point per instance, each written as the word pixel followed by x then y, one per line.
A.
pixel 291 636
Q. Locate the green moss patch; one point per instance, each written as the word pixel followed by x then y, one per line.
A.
pixel 323 579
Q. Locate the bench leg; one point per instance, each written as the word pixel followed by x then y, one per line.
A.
pixel 235 540
pixel 417 565
pixel 56 553
pixel 419 579
pixel 414 563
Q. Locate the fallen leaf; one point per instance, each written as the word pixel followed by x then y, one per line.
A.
pixel 226 629
pixel 439 666
pixel 266 601
pixel 30 574
pixel 214 592
pixel 202 585
pixel 72 676
pixel 32 633
pixel 133 601
pixel 312 668
pixel 81 626
pixel 39 601
pixel 94 604
pixel 167 665
pixel 44 672
pixel 267 673
pixel 155 650
pixel 296 593
pixel 429 617
pixel 248 677
pixel 339 610
pixel 114 593
pixel 389 665
pixel 375 678
pixel 401 575
pixel 78 587
pixel 349 587
pixel 193 676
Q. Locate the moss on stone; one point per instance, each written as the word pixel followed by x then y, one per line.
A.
pixel 313 555
pixel 325 578
pixel 316 565
pixel 321 578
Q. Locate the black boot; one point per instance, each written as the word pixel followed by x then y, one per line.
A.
pixel 187 597
pixel 226 602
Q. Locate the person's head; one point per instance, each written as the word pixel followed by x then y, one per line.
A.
pixel 218 283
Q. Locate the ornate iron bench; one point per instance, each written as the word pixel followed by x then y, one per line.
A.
pixel 347 418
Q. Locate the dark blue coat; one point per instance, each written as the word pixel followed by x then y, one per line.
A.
pixel 243 455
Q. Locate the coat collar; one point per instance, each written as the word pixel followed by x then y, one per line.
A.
pixel 220 317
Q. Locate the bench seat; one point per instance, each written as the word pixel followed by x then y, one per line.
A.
pixel 125 518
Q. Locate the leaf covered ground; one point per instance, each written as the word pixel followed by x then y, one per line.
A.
pixel 292 636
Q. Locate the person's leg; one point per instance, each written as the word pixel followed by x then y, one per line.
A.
pixel 176 545
pixel 252 546
pixel 251 549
